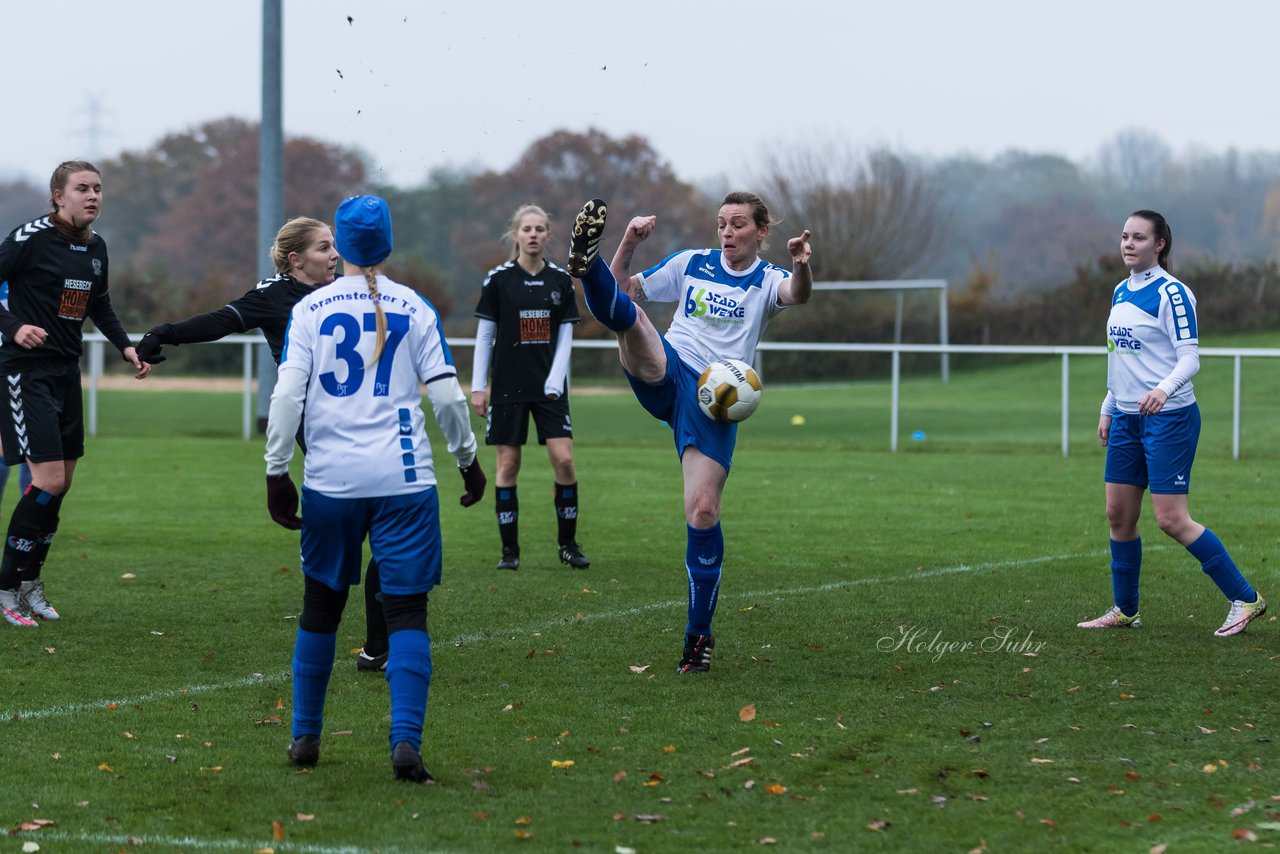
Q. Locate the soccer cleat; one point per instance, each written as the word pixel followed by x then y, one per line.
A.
pixel 367 663
pixel 584 245
pixel 406 764
pixel 1113 619
pixel 14 609
pixel 32 593
pixel 510 559
pixel 1241 615
pixel 697 654
pixel 572 555
pixel 304 752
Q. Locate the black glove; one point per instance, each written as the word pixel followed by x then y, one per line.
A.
pixel 475 482
pixel 282 501
pixel 149 347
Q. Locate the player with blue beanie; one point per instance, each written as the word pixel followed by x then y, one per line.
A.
pixel 1150 426
pixel 726 297
pixel 355 354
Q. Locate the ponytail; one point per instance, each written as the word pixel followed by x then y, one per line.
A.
pixel 372 279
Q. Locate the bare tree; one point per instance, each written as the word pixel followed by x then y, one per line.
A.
pixel 1135 160
pixel 874 213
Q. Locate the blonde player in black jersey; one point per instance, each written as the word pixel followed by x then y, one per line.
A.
pixel 56 267
pixel 526 314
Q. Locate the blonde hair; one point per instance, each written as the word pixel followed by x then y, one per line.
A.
pixel 293 236
pixel 372 278
pixel 521 213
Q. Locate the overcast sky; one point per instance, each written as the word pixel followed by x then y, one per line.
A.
pixel 425 84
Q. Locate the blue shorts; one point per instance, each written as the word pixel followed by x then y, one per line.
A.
pixel 403 532
pixel 675 401
pixel 1154 451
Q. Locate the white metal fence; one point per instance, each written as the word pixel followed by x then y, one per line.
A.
pixel 248 343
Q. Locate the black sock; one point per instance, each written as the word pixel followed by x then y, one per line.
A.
pixel 375 621
pixel 567 513
pixel 33 517
pixel 41 552
pixel 508 510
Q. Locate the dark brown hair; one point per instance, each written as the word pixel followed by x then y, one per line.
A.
pixel 1160 226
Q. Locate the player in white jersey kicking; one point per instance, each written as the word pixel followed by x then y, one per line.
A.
pixel 726 297
pixel 354 354
pixel 1150 425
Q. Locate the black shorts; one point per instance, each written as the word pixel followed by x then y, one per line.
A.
pixel 508 423
pixel 44 418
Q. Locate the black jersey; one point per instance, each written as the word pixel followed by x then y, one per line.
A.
pixel 528 311
pixel 266 307
pixel 54 283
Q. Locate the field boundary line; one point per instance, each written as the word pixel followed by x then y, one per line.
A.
pixel 190 842
pixel 17 716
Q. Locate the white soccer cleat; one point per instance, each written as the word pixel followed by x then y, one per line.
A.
pixel 1241 615
pixel 32 593
pixel 1113 619
pixel 14 609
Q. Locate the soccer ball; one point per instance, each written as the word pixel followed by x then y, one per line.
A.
pixel 729 390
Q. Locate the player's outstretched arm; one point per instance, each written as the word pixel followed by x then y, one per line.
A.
pixel 797 289
pixel 638 231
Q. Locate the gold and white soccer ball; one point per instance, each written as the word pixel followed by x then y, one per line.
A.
pixel 729 390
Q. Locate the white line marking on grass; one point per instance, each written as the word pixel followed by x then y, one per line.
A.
pixel 190 843
pixel 99 705
pixel 475 637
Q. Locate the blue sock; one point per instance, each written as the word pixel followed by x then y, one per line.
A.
pixel 1126 562
pixel 607 303
pixel 1219 566
pixel 703 556
pixel 313 656
pixel 408 678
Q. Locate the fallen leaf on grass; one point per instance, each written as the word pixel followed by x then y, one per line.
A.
pixel 1159 849
pixel 213 768
pixel 305 816
pixel 618 778
pixel 279 703
pixel 341 732
pixel 37 823
pixel 1036 761
pixel 1209 768
pixel 768 840
pixel 277 831
pixel 523 834
pixel 561 763
pixel 747 713
pixel 1206 730
pixel 775 789
pixel 104 767
pixel 1048 822
pixel 524 821
pixel 877 824
pixel 670 748
pixel 648 818
pixel 1244 834
pixel 638 668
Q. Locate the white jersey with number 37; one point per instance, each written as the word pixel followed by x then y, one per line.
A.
pixel 365 428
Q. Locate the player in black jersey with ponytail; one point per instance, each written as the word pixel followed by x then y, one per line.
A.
pixel 305 258
pixel 56 267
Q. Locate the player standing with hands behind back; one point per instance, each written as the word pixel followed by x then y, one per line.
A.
pixel 1150 425
pixel 527 310
pixel 355 353
pixel 56 267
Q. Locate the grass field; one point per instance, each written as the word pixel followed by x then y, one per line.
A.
pixel 897 665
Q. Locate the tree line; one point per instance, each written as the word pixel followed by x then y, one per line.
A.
pixel 1027 241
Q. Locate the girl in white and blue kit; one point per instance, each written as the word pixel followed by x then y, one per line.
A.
pixel 1150 425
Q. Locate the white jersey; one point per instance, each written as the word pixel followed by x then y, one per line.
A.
pixel 722 312
pixel 1153 315
pixel 365 430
